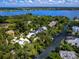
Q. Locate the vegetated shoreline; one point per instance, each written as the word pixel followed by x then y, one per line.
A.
pixel 37 8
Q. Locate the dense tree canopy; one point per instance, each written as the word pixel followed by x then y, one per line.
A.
pixel 26 24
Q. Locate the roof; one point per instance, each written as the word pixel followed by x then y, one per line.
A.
pixel 52 23
pixel 70 37
pixel 68 55
pixel 74 42
pixel 20 41
pixel 36 31
pixel 75 28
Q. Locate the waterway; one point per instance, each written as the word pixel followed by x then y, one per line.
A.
pixel 68 13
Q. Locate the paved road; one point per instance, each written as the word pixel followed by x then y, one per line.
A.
pixel 53 46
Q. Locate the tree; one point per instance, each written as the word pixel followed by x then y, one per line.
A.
pixel 54 55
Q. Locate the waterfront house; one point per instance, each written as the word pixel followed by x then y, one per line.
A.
pixel 68 55
pixel 75 29
pixel 74 41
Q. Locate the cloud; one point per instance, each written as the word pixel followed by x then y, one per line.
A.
pixel 32 3
pixel 50 0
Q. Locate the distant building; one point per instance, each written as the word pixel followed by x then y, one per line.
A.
pixel 76 19
pixel 68 55
pixel 4 25
pixel 52 24
pixel 10 32
pixel 75 29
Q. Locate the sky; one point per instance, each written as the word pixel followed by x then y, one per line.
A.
pixel 39 3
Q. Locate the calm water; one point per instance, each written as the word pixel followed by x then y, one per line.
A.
pixel 67 13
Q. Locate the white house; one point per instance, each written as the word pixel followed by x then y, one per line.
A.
pixel 74 42
pixel 30 34
pixel 75 29
pixel 41 29
pixel 68 55
pixel 20 41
